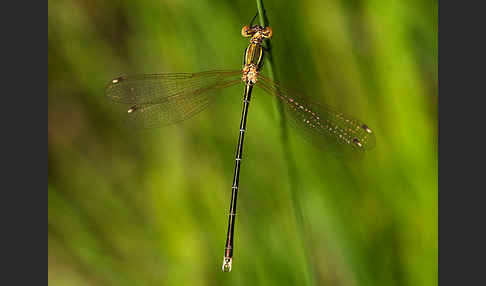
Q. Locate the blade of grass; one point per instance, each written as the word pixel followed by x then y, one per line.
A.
pixel 291 166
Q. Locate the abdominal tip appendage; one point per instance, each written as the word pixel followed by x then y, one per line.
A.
pixel 227 261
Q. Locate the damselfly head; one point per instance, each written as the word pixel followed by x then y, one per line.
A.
pixel 256 32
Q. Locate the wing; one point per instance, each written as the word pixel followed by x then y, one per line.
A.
pixel 320 123
pixel 162 99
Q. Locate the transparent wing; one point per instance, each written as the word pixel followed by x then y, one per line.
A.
pixel 155 100
pixel 320 123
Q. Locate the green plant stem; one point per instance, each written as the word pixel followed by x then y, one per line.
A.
pixel 291 166
pixel 262 17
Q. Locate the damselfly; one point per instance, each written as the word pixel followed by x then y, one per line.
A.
pixel 162 99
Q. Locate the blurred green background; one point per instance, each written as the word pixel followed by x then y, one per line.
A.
pixel 150 208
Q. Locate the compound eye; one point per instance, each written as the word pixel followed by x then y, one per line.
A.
pixel 246 31
pixel 267 32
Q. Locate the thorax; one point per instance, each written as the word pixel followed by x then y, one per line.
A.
pixel 252 63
